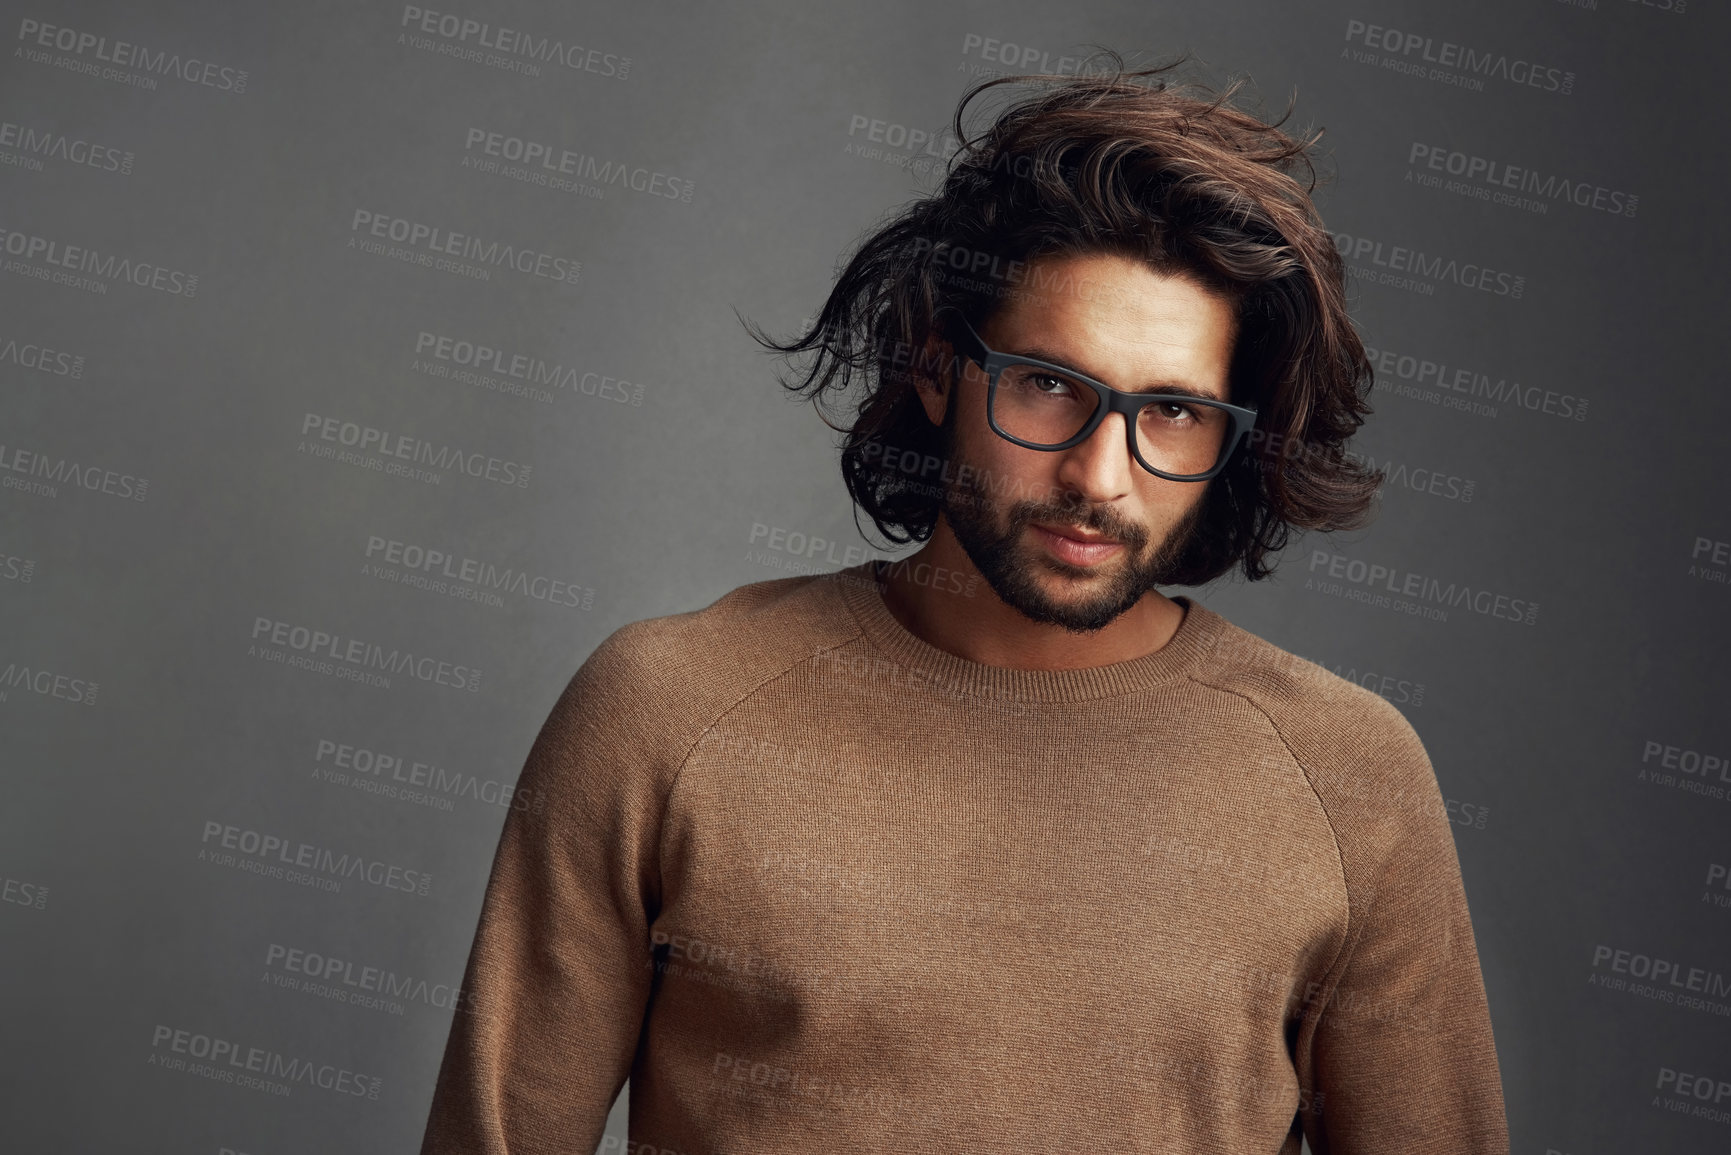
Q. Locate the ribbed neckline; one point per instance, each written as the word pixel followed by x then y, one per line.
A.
pixel 1195 638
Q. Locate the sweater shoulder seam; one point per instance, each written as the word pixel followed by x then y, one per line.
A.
pixel 1352 924
pixel 746 696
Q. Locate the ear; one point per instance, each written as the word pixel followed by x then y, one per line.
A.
pixel 935 388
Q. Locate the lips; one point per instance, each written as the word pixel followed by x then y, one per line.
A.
pixel 1077 551
pixel 1078 535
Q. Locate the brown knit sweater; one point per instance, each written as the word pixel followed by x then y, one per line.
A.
pixel 813 884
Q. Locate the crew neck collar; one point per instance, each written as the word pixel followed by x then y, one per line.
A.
pixel 1196 635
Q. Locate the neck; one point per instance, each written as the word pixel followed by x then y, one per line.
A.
pixel 984 628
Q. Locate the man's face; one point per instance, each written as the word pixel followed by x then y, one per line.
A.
pixel 1118 321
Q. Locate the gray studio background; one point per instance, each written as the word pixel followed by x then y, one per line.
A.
pixel 201 301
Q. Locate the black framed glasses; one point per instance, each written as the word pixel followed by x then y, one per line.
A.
pixel 1039 405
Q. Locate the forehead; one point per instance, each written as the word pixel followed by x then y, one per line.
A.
pixel 1115 318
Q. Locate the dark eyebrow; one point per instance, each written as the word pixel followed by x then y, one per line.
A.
pixel 1040 353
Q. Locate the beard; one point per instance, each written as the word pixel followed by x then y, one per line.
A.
pixel 1010 567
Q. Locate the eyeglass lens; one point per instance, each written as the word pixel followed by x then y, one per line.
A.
pixel 1175 435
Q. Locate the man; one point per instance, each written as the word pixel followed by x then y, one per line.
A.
pixel 999 848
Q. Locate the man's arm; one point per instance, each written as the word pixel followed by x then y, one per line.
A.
pixel 1402 1057
pixel 559 976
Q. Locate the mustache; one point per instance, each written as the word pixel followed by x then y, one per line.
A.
pixel 1095 521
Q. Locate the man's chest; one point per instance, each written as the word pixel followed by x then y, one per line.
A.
pixel 1016 871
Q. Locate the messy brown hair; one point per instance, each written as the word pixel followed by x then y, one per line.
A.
pixel 1138 164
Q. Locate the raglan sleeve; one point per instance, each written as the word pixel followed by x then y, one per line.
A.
pixel 559 974
pixel 1401 1054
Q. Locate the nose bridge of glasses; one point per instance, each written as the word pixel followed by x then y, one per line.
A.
pixel 1128 408
pixel 1113 438
pixel 1128 404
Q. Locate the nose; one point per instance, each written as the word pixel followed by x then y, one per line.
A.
pixel 1100 469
